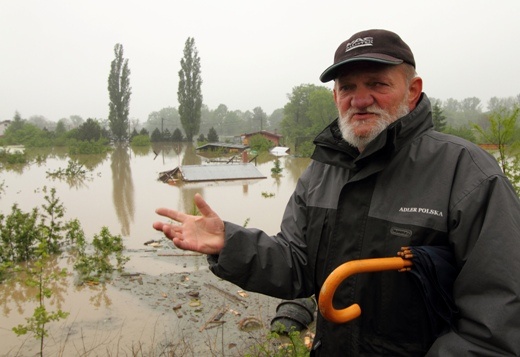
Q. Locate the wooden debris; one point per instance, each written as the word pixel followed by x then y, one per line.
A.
pixel 234 312
pixel 229 296
pixel 215 319
pixel 243 293
pixel 177 310
pixel 162 254
pixel 126 275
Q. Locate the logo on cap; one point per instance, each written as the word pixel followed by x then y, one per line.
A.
pixel 359 42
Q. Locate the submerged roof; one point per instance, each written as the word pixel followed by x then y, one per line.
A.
pixel 223 145
pixel 194 173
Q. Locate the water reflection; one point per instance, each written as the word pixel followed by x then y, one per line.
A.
pixel 190 156
pixel 15 293
pixel 141 150
pixel 294 167
pixel 187 193
pixel 122 188
pixel 101 297
pixel 168 151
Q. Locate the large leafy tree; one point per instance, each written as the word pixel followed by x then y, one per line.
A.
pixel 189 93
pixel 310 109
pixel 119 91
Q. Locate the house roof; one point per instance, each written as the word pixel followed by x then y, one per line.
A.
pixel 264 132
pixel 223 145
pixel 218 172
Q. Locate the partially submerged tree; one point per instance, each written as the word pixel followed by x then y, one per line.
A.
pixel 119 91
pixel 189 92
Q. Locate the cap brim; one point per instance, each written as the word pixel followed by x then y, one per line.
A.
pixel 332 72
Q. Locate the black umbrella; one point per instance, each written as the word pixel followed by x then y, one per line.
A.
pixel 433 270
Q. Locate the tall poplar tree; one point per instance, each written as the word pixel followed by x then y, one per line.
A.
pixel 189 93
pixel 119 91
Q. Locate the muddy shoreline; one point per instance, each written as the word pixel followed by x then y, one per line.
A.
pixel 165 303
pixel 209 314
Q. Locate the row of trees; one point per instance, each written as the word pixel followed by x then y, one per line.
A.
pixel 310 108
pixel 189 93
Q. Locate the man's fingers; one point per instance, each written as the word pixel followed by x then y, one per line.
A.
pixel 203 207
pixel 158 226
pixel 170 213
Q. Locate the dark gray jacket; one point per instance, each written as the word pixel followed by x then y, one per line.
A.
pixel 412 186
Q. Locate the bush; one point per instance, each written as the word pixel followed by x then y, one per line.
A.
pixel 259 143
pixel 21 232
pixel 140 140
pixel 89 147
pixel 98 265
pixel 13 158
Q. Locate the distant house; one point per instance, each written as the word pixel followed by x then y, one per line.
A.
pixel 3 125
pixel 222 147
pixel 273 137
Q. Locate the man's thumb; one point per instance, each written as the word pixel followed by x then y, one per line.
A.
pixel 203 207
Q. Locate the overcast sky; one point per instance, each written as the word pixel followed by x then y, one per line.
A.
pixel 55 54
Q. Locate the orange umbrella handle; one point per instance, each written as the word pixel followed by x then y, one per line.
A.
pixel 344 271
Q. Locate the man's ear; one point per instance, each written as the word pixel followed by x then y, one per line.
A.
pixel 414 92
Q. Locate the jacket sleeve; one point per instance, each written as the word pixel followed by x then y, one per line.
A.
pixel 485 235
pixel 271 265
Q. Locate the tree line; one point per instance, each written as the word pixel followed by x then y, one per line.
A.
pixel 309 109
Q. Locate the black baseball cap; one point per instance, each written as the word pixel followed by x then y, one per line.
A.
pixel 371 45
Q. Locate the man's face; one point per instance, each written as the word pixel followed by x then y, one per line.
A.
pixel 370 96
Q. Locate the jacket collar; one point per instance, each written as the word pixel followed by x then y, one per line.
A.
pixel 332 149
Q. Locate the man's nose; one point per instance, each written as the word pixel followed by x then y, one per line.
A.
pixel 362 98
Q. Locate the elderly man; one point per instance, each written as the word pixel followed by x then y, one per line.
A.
pixel 381 178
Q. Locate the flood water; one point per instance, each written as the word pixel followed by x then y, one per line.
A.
pixel 121 192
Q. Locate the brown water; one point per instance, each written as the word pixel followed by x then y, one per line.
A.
pixel 121 192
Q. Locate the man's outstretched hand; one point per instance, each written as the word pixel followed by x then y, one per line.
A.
pixel 203 234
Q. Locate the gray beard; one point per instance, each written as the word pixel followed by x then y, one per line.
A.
pixel 360 142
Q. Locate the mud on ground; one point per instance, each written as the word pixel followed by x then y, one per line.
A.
pixel 165 303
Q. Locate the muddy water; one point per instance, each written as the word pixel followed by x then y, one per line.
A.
pixel 134 315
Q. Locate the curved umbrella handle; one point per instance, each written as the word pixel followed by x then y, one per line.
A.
pixel 344 271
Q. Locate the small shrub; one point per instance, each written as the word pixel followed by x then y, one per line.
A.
pixel 98 265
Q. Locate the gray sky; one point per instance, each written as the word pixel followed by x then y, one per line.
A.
pixel 55 54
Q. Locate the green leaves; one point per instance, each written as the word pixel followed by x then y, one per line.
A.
pixel 502 131
pixel 99 264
